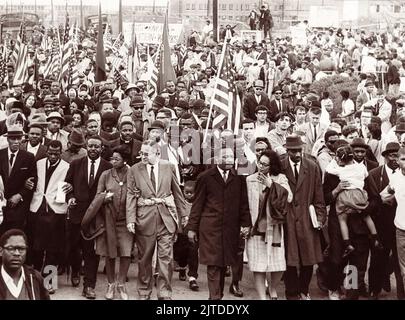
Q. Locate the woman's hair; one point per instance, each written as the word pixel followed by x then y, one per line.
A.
pixel 30 95
pixel 275 163
pixel 345 94
pixel 123 151
pixel 82 116
pixel 345 153
pixel 325 95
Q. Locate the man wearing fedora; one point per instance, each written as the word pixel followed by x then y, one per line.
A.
pixel 16 167
pixel 55 131
pixel 252 100
pixel 382 208
pixel 303 240
pixel 75 146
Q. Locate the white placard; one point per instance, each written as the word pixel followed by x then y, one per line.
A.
pixel 299 36
pixel 152 32
pixel 251 35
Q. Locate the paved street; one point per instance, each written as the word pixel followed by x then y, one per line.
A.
pixel 182 292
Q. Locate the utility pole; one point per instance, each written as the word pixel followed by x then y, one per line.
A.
pixel 215 19
pixel 154 2
pixel 282 12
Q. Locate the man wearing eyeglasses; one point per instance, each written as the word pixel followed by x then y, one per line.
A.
pixel 255 99
pixel 18 281
pixel 278 104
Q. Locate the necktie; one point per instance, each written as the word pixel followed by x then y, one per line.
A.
pixel 314 132
pixel 296 171
pixel 393 171
pixel 91 179
pixel 224 176
pixel 152 178
pixel 12 156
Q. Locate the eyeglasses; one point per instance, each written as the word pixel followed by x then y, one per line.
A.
pixel 12 249
pixel 259 89
pixel 278 93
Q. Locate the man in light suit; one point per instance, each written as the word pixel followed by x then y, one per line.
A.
pixel 50 213
pixel 154 202
pixel 313 129
pixel 366 96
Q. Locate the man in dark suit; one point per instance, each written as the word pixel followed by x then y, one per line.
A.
pixel 16 167
pixel 382 209
pixel 220 211
pixel 34 145
pixel 127 130
pixel 359 153
pixel 303 249
pixel 83 176
pixel 255 99
pixel 278 104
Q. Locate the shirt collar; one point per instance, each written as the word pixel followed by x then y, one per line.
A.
pixel 292 164
pixel 8 280
pixel 15 153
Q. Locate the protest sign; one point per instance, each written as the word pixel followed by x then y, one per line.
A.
pixel 151 33
pixel 299 36
pixel 251 35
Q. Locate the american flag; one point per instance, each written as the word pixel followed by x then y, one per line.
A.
pixel 107 38
pixel 17 46
pixel 3 70
pixel 53 65
pixel 133 58
pixel 225 99
pixel 21 64
pixel 118 43
pixel 153 73
pixel 66 55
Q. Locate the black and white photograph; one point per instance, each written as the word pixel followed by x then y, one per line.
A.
pixel 199 150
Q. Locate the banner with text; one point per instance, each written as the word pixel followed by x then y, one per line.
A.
pixel 151 33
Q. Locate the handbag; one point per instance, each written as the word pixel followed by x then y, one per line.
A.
pixel 314 219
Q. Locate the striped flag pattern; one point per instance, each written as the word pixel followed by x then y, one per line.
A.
pixel 66 55
pixel 107 38
pixel 225 99
pixel 3 70
pixel 20 40
pixel 153 73
pixel 21 64
pixel 53 65
pixel 118 43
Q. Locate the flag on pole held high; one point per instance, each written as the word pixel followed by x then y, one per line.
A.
pixel 166 70
pixel 153 66
pixel 133 58
pixel 66 55
pixel 107 38
pixel 21 63
pixel 225 98
pixel 101 74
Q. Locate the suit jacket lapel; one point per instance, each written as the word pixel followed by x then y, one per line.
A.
pixel 288 172
pixel 85 169
pixel 160 176
pixel 302 173
pixel 218 176
pixel 146 178
pixel 17 163
pixel 5 164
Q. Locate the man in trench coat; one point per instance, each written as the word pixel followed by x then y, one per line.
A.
pixel 303 240
pixel 219 215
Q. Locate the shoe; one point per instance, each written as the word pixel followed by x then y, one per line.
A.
pixel 75 280
pixel 50 289
pixel 122 291
pixel 373 296
pixel 304 296
pixel 274 298
pixel 176 268
pixel 228 271
pixel 333 295
pixel 110 291
pixel 182 275
pixel 234 289
pixel 164 298
pixel 193 285
pixel 349 249
pixel 89 293
pixel 144 298
pixel 386 285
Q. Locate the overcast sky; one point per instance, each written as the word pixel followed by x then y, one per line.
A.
pixel 106 4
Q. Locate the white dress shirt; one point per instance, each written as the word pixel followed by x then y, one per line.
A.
pixel 32 149
pixel 96 165
pixel 155 172
pixel 258 99
pixel 15 290
pixel 292 164
pixel 398 184
pixel 388 170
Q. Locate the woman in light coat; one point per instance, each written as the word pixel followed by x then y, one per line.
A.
pixel 266 255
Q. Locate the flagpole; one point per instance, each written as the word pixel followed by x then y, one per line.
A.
pixel 221 61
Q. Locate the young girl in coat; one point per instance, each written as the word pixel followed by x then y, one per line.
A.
pixel 353 199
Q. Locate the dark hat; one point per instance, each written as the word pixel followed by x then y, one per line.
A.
pixel 391 147
pixel 17 105
pixel 138 99
pixel 38 119
pixel 157 125
pixel 14 131
pixel 277 88
pixel 48 100
pixel 369 83
pixel 400 127
pixel 76 137
pixel 198 104
pixel 183 104
pixel 28 88
pixel 258 83
pixel 359 143
pixel 294 142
